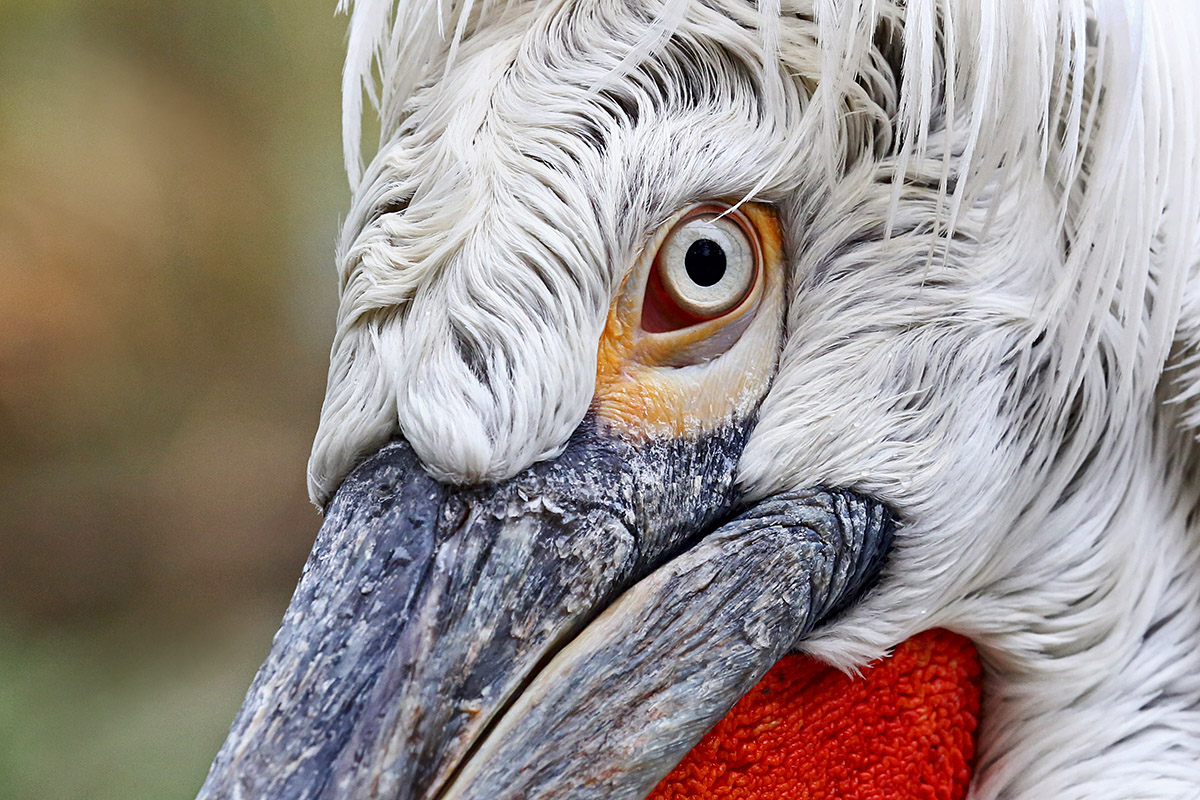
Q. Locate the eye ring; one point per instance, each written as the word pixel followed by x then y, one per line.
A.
pixel 706 266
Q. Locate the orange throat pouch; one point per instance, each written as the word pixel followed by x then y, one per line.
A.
pixel 905 730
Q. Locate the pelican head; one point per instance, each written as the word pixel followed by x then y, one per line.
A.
pixel 679 335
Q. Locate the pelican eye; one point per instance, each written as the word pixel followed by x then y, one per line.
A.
pixel 693 334
pixel 706 266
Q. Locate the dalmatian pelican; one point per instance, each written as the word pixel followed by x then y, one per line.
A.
pixel 678 337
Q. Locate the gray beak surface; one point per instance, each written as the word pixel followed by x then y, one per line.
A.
pixel 569 633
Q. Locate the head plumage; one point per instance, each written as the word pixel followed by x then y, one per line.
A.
pixel 1082 97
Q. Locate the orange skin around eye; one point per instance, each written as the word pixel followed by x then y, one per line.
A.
pixel 905 730
pixel 669 383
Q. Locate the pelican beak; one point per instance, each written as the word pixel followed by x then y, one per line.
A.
pixel 571 632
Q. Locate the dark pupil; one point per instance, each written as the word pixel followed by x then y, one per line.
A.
pixel 705 262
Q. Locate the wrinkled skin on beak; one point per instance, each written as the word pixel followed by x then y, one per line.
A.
pixel 570 632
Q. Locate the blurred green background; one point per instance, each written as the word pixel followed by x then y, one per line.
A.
pixel 170 188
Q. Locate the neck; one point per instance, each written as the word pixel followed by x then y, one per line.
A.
pixel 1095 678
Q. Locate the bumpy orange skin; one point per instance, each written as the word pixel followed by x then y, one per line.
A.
pixel 904 731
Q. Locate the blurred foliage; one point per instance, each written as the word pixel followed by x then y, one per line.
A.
pixel 118 713
pixel 170 186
